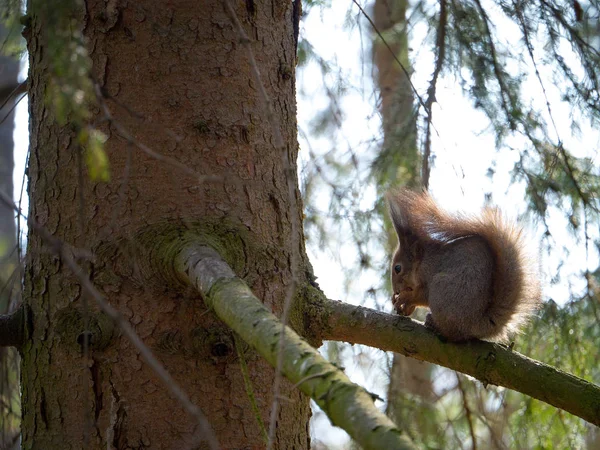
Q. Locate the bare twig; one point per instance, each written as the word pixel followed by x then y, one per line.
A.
pixel 467 411
pixel 66 255
pixel 19 89
pixel 88 420
pixel 20 251
pixel 529 46
pixel 440 42
pixel 287 305
pixel 248 384
pixel 12 109
pixel 312 377
pixel 348 405
pixel 404 69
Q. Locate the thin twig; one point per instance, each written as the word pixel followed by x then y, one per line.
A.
pixel 20 250
pixel 20 89
pixel 529 46
pixel 248 384
pixel 66 255
pixel 560 146
pixel 412 86
pixel 287 305
pixel 88 420
pixel 581 42
pixel 12 109
pixel 440 42
pixel 467 411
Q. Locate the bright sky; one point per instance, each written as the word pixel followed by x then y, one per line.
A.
pixel 21 138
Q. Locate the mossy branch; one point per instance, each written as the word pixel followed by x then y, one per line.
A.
pixel 490 363
pixel 346 404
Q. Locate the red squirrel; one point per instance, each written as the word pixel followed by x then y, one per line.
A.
pixel 472 272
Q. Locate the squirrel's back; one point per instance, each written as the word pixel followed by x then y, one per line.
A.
pixel 515 290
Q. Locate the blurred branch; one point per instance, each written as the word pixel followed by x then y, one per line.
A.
pixel 7 93
pixel 468 412
pixel 505 96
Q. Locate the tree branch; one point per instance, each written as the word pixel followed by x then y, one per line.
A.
pixel 11 91
pixel 346 404
pixel 488 362
pixel 12 328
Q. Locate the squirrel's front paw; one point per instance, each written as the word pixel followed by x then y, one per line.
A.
pixel 402 306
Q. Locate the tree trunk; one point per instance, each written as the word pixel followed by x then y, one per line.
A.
pixel 399 158
pixel 179 66
pixel 409 379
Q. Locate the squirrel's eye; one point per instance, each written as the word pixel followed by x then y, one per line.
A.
pixel 398 268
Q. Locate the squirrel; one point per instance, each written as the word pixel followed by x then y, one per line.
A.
pixel 472 272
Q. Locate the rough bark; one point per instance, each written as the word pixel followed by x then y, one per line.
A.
pixel 180 67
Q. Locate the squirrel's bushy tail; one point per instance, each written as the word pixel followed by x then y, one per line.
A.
pixel 516 288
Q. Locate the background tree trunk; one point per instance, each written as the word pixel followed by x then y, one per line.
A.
pixel 410 384
pixel 399 159
pixel 9 72
pixel 180 67
pixel 9 281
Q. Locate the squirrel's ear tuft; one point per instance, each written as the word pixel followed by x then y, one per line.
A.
pixel 396 214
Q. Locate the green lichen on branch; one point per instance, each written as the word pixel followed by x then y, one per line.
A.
pixel 347 405
pixel 158 245
pixel 490 363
